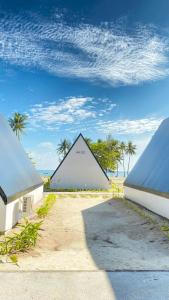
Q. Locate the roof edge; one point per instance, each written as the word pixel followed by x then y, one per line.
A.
pixel 12 198
pixel 3 195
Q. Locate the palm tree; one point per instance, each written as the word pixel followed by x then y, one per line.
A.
pixel 88 140
pixel 18 123
pixel 123 151
pixel 118 161
pixel 64 147
pixel 130 150
pixel 99 141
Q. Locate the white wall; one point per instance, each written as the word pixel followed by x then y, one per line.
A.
pixel 80 170
pixel 37 194
pixel 2 215
pixel 155 203
pixel 10 213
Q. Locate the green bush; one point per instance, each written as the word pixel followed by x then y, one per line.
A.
pixel 43 210
pixel 47 184
pixel 21 241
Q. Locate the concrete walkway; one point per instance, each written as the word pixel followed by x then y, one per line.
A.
pixel 84 285
pixel 95 233
pixel 84 241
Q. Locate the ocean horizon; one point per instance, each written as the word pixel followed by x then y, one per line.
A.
pixel 50 172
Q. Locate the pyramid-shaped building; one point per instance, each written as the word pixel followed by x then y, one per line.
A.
pixel 79 169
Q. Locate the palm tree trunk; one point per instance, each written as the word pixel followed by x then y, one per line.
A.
pixel 117 174
pixel 124 166
pixel 128 165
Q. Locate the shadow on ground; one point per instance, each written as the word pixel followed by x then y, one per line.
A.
pixel 119 239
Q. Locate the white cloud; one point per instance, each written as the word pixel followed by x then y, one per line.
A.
pixel 106 52
pixel 125 127
pixel 64 111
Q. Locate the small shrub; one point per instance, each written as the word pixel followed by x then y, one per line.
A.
pixel 21 241
pixel 43 210
pixel 47 184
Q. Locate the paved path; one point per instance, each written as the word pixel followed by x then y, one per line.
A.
pixel 84 285
pixel 96 233
pixel 83 238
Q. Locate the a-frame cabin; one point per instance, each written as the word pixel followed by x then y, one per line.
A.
pixel 80 169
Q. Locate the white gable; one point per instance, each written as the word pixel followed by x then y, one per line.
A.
pixel 79 169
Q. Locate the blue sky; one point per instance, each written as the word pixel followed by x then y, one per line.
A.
pixel 96 67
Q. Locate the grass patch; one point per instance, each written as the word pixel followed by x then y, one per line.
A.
pixel 20 241
pixel 43 210
pixel 115 187
pixel 165 228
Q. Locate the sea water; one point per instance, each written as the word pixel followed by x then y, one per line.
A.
pixel 50 172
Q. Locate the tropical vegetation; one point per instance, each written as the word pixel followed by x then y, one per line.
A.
pixel 21 241
pixel 44 209
pixel 130 151
pixel 111 153
pixel 18 123
pixel 63 147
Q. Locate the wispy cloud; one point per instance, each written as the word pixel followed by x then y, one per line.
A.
pixel 106 52
pixel 125 127
pixel 72 111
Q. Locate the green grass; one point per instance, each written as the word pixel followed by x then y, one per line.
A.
pixel 115 188
pixel 165 228
pixel 44 209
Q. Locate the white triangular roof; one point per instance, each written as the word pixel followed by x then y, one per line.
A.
pixel 18 175
pixel 151 171
pixel 80 169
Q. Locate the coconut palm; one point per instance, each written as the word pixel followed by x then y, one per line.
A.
pixel 64 147
pixel 118 161
pixel 118 152
pixel 18 123
pixel 88 140
pixel 130 150
pixel 99 141
pixel 122 148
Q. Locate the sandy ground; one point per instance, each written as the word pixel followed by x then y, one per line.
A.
pixel 96 233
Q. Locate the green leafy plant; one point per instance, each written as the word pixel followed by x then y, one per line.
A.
pixel 43 210
pixel 21 241
pixel 14 259
pixel 47 184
